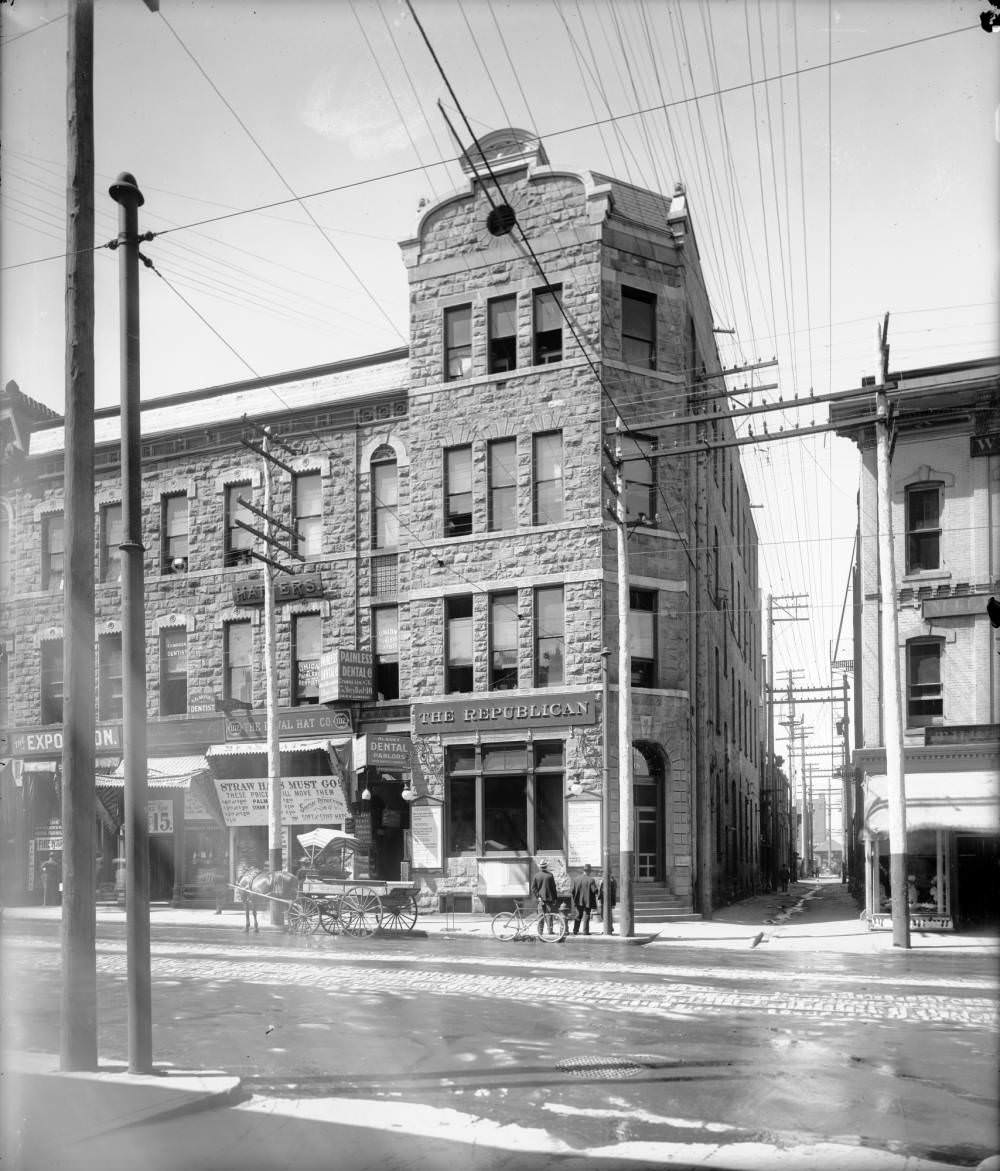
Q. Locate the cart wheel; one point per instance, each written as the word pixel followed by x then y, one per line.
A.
pixel 399 913
pixel 329 916
pixel 303 917
pixel 360 912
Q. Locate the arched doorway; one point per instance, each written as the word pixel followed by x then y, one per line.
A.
pixel 649 812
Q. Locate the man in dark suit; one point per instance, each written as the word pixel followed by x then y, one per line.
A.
pixel 584 895
pixel 612 895
pixel 543 887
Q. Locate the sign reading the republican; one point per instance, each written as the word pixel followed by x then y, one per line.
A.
pixel 345 675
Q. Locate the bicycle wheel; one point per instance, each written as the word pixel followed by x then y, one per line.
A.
pixel 505 926
pixel 557 924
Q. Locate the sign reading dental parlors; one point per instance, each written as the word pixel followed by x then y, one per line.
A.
pixel 303 800
pixel 540 710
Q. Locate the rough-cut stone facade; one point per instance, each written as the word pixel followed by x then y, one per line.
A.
pixel 592 237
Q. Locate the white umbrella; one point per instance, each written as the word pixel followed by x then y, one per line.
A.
pixel 319 839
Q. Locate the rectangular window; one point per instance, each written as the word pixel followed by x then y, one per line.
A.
pixel 549 786
pixel 640 480
pixel 238 665
pixel 238 541
pixel 307 645
pixel 458 343
pixel 174 529
pixel 109 691
pixel 461 803
pixel 385 505
pixel 458 644
pixel 642 637
pixel 503 642
pixel 639 328
pixel 173 672
pixel 502 486
pixel 308 516
pixel 549 637
pixel 53 551
pixel 924 698
pixel 52 683
pixel 923 528
pixel 110 561
pixel 505 813
pixel 547 325
pixel 458 492
pixel 385 627
pixel 502 335
pixel 547 479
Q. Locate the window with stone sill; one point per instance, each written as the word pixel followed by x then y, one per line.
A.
pixel 238 542
pixel 307 645
pixel 109 665
pixel 503 641
pixel 639 328
pixel 457 343
pixel 458 644
pixel 174 533
pixel 385 639
pixel 923 527
pixel 642 637
pixel 547 479
pixel 924 690
pixel 501 339
pixel 51 681
pixel 458 491
pixel 307 505
pixel 53 551
pixel 501 474
pixel 385 498
pixel 173 672
pixel 547 325
pixel 111 537
pixel 238 661
pixel 549 637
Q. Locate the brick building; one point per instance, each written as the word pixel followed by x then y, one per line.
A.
pixel 945 505
pixel 439 654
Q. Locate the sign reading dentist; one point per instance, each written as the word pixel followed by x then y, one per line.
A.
pixel 538 710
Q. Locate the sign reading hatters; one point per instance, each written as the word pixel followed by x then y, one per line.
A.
pixel 538 710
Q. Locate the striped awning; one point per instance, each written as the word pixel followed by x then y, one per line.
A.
pixel 163 772
pixel 252 747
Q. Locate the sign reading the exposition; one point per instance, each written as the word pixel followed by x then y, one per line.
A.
pixel 49 741
pixel 304 800
pixel 345 675
pixel 583 837
pixel 425 836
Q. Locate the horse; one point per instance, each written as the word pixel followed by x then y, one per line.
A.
pixel 253 883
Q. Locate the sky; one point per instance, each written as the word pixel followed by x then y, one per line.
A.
pixel 840 161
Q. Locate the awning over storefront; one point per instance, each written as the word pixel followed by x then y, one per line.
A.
pixel 163 772
pixel 966 802
pixel 251 747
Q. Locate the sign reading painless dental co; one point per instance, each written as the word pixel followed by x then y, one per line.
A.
pixel 541 709
pixel 345 675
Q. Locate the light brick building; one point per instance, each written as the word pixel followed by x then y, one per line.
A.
pixel 945 509
pixel 459 554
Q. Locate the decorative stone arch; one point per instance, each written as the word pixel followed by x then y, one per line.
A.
pixel 378 441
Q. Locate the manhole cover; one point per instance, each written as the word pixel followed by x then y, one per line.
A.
pixel 601 1067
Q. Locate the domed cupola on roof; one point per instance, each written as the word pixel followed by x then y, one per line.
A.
pixel 509 149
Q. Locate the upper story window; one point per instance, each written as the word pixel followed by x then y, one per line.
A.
pixel 458 491
pixel 385 637
pixel 503 642
pixel 639 328
pixel 4 551
pixel 457 342
pixel 923 527
pixel 385 499
pixel 109 691
pixel 502 335
pixel 640 478
pixel 238 541
pixel 174 530
pixel 308 518
pixel 549 636
pixel 53 551
pixel 51 682
pixel 307 646
pixel 642 637
pixel 111 535
pixel 458 644
pixel 502 484
pixel 173 672
pixel 547 326
pixel 547 479
pixel 238 662
pixel 924 695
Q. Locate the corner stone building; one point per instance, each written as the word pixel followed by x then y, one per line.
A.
pixel 439 650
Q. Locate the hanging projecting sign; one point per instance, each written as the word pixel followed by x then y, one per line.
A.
pixel 287 588
pixel 345 675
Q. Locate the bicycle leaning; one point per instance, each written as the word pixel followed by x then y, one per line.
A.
pixel 548 926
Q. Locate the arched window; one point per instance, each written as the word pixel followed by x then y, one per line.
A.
pixel 385 498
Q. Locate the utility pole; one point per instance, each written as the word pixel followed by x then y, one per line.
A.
pixel 140 1037
pixel 892 732
pixel 605 791
pixel 78 1000
pixel 270 539
pixel 847 787
pixel 791 606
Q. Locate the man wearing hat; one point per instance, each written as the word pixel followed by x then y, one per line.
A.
pixel 543 887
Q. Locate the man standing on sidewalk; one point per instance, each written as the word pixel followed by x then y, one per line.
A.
pixel 543 887
pixel 584 896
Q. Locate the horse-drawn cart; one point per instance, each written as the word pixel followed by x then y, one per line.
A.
pixel 333 898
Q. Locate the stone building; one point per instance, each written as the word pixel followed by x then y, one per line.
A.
pixel 945 501
pixel 439 649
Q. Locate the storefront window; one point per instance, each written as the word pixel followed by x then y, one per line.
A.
pixel 505 814
pixel 462 815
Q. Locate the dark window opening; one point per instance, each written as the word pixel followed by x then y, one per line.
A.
pixel 642 637
pixel 502 334
pixel 547 326
pixel 458 492
pixel 503 642
pixel 639 328
pixel 173 672
pixel 923 528
pixel 458 644
pixel 458 342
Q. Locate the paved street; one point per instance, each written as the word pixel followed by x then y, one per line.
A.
pixel 677 1052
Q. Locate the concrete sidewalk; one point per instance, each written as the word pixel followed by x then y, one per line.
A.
pixel 811 916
